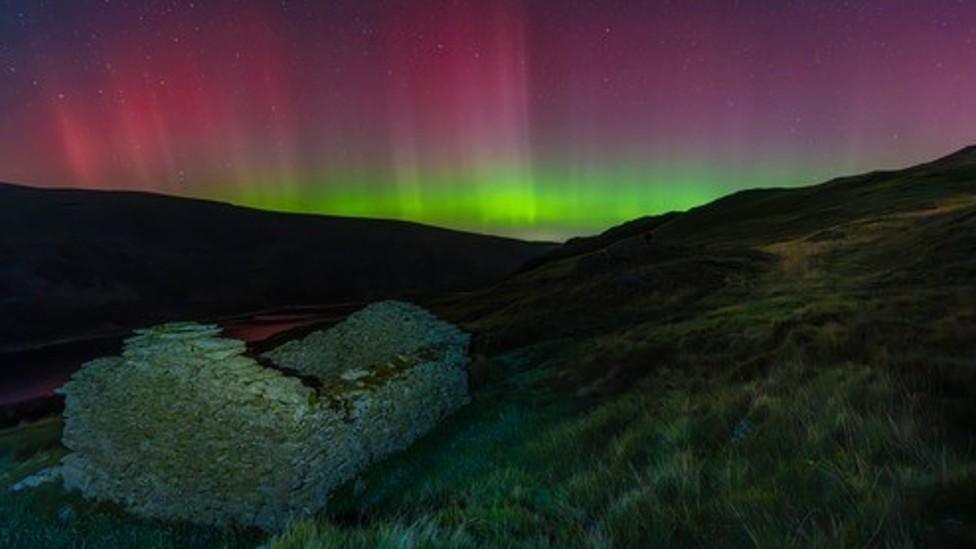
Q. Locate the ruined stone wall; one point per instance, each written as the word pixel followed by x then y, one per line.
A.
pixel 184 426
pixel 373 336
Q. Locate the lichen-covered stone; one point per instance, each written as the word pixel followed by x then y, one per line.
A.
pixel 384 332
pixel 184 426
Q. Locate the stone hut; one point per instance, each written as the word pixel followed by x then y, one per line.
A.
pixel 184 426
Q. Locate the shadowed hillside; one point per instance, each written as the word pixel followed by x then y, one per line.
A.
pixel 909 231
pixel 779 368
pixel 76 262
pixel 783 367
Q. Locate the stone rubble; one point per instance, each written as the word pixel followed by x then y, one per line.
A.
pixel 184 426
pixel 39 478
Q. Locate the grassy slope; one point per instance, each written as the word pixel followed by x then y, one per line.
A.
pixel 797 312
pixel 780 368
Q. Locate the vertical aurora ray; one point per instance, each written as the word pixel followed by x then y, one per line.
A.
pixel 542 118
pixel 460 123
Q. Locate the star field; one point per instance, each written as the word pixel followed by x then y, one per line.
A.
pixel 541 118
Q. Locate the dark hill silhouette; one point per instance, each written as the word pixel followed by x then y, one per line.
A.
pixel 755 216
pixel 768 215
pixel 586 244
pixel 77 262
pixel 895 250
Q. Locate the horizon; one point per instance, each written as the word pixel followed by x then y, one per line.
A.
pixel 558 238
pixel 513 118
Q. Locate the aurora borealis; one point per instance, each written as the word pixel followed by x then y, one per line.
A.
pixel 536 118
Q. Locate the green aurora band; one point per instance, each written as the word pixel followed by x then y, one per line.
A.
pixel 547 204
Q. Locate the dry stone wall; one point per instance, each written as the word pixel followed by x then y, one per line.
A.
pixel 184 426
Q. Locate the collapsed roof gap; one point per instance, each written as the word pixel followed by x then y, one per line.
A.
pixel 307 380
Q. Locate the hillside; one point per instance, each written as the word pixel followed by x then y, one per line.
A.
pixel 783 367
pixel 909 232
pixel 780 368
pixel 76 262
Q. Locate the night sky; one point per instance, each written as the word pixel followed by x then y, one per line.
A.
pixel 536 118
